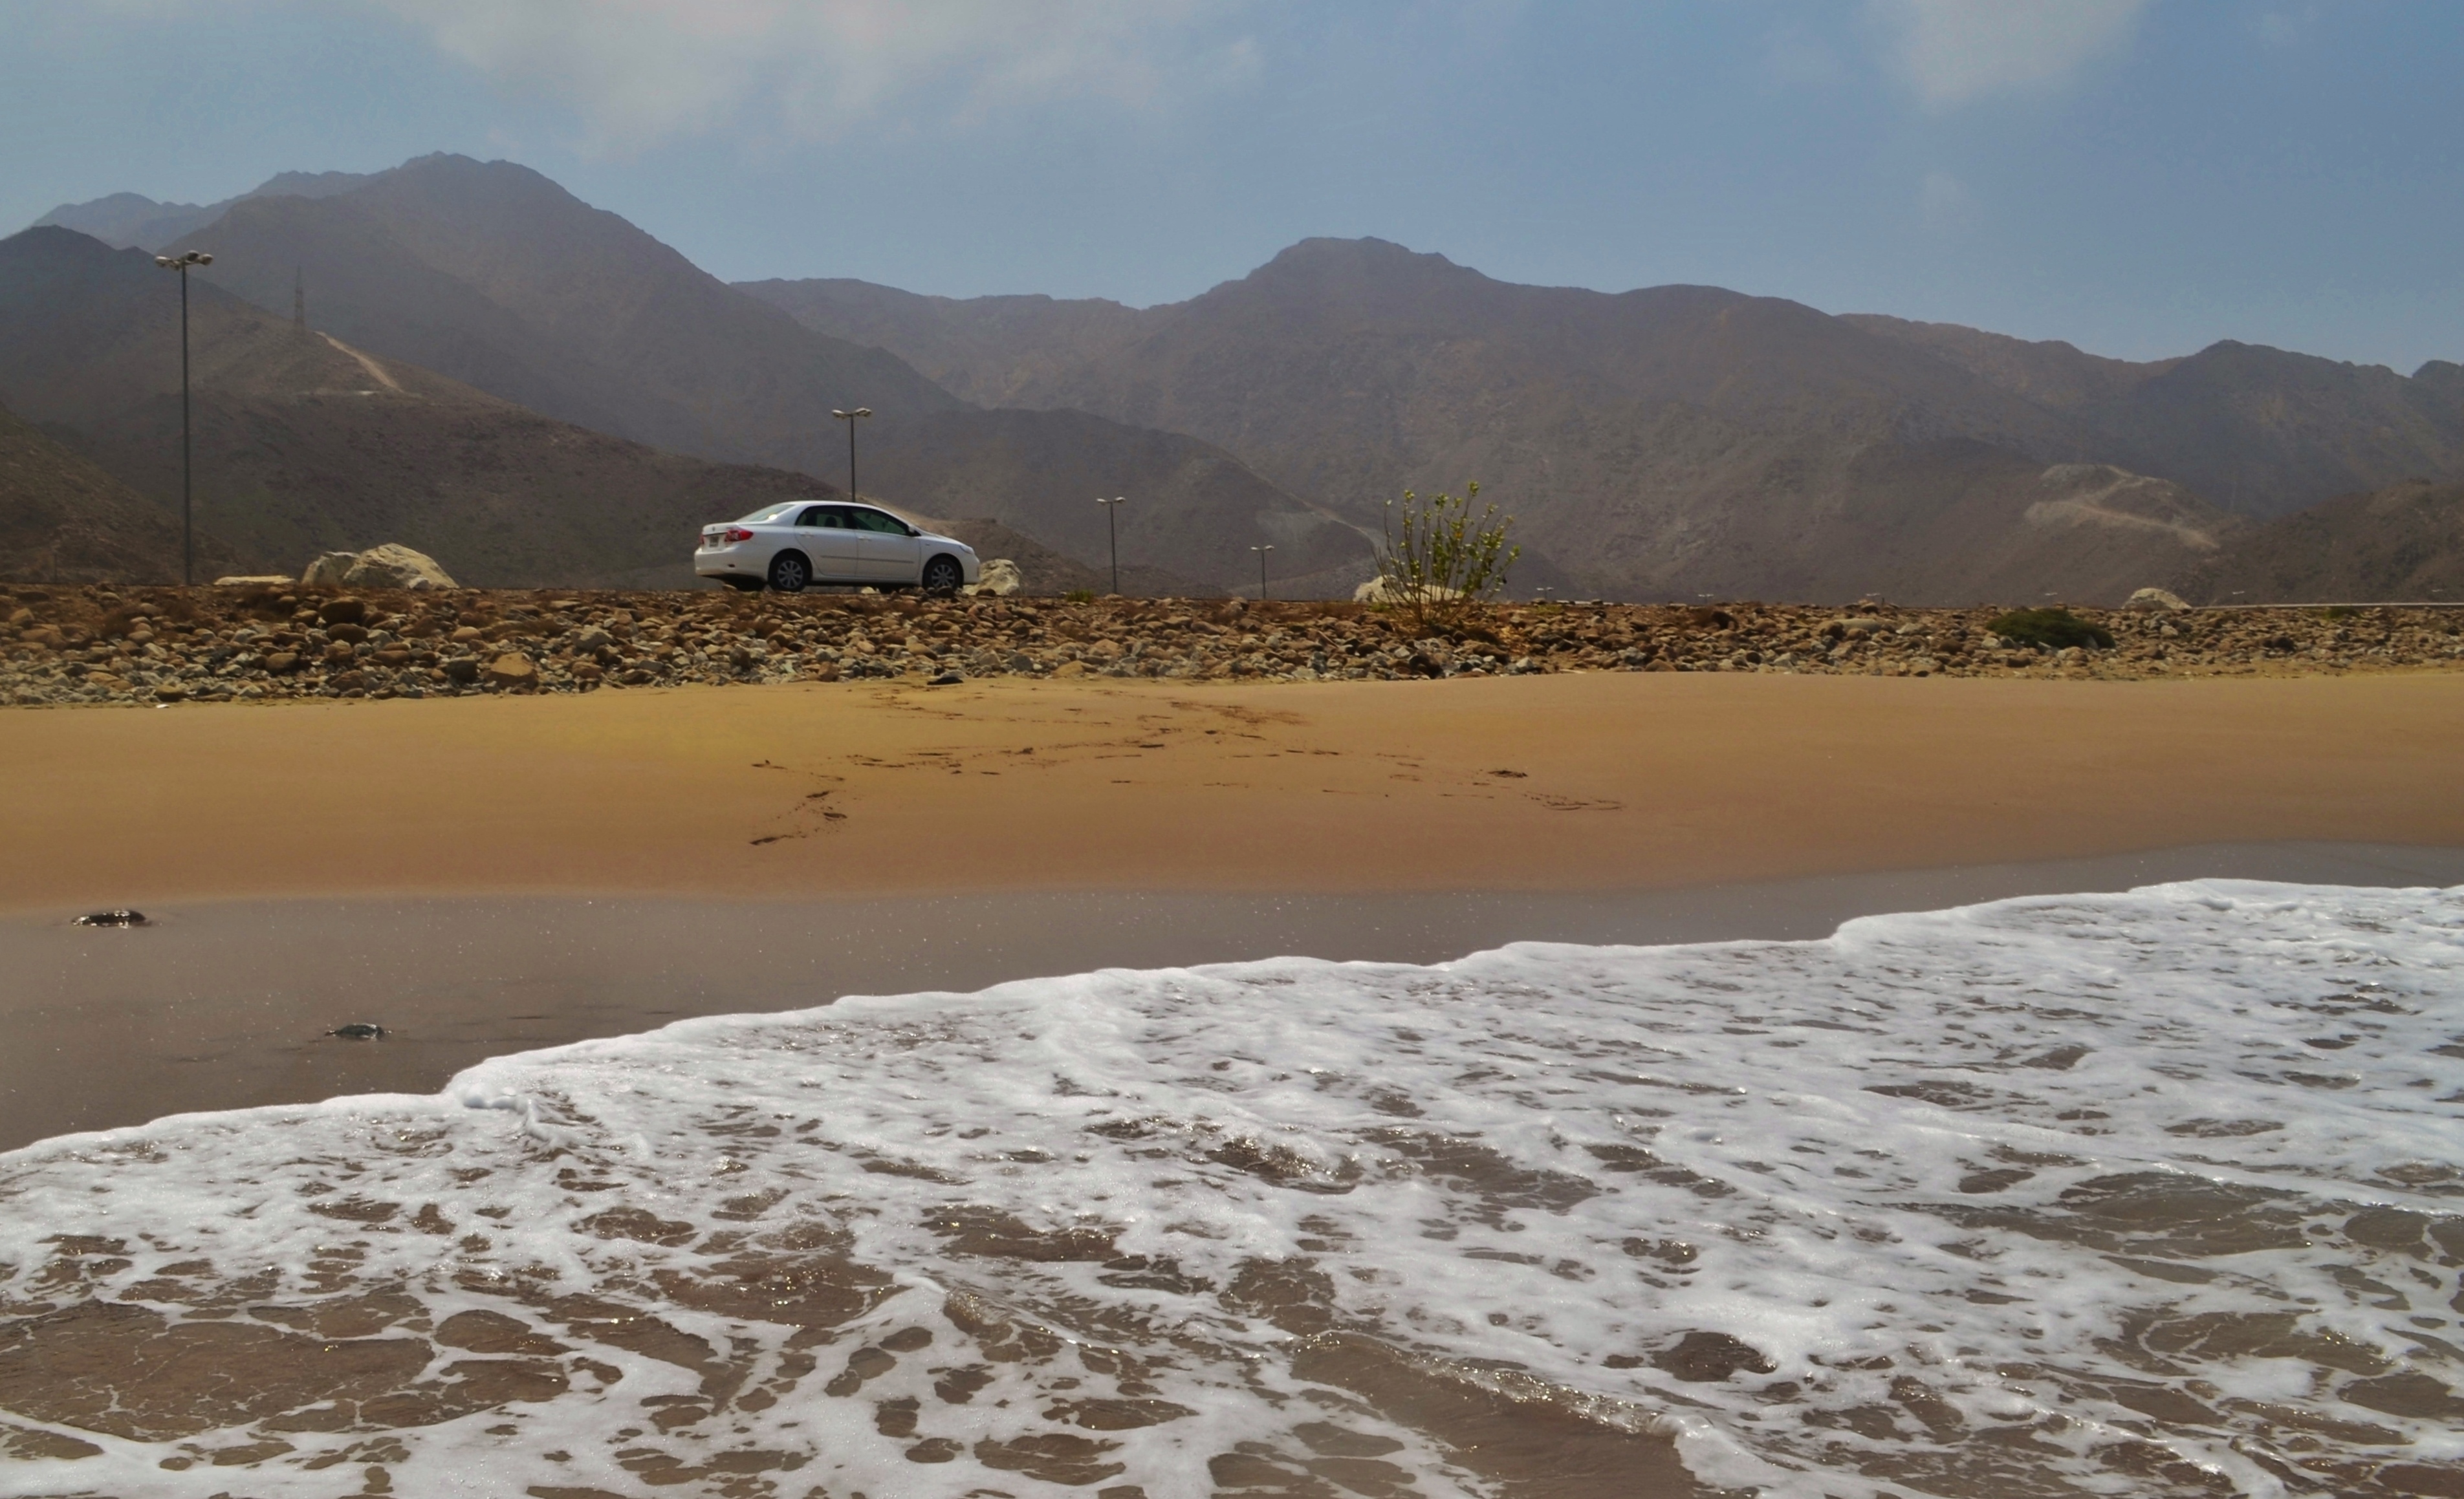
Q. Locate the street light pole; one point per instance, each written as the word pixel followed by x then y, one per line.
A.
pixel 187 450
pixel 1113 527
pixel 850 418
pixel 1261 571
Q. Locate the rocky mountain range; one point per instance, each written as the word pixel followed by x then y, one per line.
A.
pixel 493 275
pixel 1673 441
pixel 65 519
pixel 2401 544
pixel 1683 440
pixel 133 221
pixel 305 444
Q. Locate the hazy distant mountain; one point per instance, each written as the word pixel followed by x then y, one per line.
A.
pixel 2401 544
pixel 1194 512
pixel 1673 441
pixel 305 444
pixel 995 351
pixel 2050 372
pixel 1681 440
pixel 2261 430
pixel 127 220
pixel 493 275
pixel 63 519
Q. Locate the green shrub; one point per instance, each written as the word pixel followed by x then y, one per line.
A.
pixel 2338 612
pixel 1439 556
pixel 1080 595
pixel 2051 630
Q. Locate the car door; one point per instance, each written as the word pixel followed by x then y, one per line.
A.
pixel 892 554
pixel 828 535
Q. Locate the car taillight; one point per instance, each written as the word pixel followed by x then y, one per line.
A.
pixel 735 533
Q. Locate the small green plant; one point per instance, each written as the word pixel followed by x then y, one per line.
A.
pixel 2051 630
pixel 1080 595
pixel 1439 556
pixel 2338 612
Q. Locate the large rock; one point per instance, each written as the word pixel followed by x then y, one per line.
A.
pixel 2156 599
pixel 1001 578
pixel 391 565
pixel 394 565
pixel 1384 590
pixel 254 579
pixel 329 569
pixel 514 672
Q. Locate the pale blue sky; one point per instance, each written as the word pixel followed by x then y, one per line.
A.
pixel 2140 177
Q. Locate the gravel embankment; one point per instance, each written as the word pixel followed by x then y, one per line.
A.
pixel 125 645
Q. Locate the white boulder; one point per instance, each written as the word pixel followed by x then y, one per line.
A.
pixel 328 570
pixel 1384 590
pixel 394 565
pixel 2156 599
pixel 999 577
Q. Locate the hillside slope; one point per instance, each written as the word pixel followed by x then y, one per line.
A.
pixel 305 444
pixel 1681 440
pixel 128 220
pixel 64 519
pixel 493 275
pixel 2401 544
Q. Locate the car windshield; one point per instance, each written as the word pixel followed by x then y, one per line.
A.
pixel 769 513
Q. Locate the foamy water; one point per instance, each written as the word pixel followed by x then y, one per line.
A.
pixel 2143 1194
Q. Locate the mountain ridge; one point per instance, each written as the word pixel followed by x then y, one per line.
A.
pixel 492 274
pixel 1662 442
pixel 307 444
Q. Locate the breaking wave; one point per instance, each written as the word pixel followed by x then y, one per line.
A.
pixel 2155 1193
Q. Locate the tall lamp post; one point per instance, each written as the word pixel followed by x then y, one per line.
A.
pixel 187 520
pixel 1113 528
pixel 850 418
pixel 1261 571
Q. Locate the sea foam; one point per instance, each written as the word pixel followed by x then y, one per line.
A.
pixel 2144 1193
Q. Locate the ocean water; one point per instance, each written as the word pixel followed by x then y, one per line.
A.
pixel 2157 1193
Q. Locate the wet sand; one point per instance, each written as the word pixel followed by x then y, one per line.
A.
pixel 1615 781
pixel 222 1005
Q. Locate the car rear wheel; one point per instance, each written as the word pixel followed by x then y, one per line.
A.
pixel 943 575
pixel 789 572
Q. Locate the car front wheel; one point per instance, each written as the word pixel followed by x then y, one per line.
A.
pixel 943 575
pixel 790 573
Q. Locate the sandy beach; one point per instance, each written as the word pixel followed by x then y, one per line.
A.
pixel 490 875
pixel 1572 782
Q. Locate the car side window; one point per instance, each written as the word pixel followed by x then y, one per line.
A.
pixel 814 515
pixel 834 517
pixel 876 520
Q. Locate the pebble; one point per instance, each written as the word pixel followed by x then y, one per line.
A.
pixel 93 644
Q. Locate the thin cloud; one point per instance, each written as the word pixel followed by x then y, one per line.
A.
pixel 639 71
pixel 1955 52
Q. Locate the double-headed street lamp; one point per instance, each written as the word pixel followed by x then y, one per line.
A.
pixel 1113 528
pixel 1261 571
pixel 187 521
pixel 850 418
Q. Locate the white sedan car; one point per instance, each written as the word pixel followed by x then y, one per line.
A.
pixel 788 546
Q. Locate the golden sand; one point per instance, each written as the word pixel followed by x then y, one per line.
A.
pixel 1607 781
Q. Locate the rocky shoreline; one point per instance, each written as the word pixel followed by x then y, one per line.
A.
pixel 96 644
